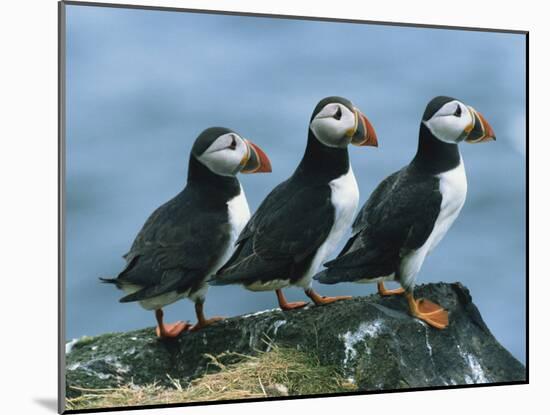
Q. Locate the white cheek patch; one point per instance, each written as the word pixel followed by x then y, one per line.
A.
pixel 447 127
pixel 329 130
pixel 223 160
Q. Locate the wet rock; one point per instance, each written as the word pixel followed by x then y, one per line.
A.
pixel 373 341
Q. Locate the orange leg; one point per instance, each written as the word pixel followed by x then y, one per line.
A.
pixel 202 321
pixel 321 300
pixel 433 314
pixel 285 305
pixel 385 293
pixel 169 331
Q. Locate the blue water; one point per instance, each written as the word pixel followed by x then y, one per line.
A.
pixel 141 85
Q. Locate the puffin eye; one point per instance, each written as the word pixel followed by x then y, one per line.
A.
pixel 338 114
pixel 458 111
pixel 233 144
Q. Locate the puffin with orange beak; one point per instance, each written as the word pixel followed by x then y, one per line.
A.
pixel 187 239
pixel 411 210
pixel 302 220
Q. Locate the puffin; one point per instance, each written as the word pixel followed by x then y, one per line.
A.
pixel 303 218
pixel 188 238
pixel 411 210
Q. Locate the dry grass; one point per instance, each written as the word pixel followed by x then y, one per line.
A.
pixel 278 372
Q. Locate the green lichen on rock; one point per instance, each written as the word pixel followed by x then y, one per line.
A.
pixel 371 341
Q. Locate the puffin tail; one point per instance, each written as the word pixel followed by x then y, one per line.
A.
pixel 336 275
pixel 116 281
pixel 218 281
pixel 327 276
pixel 247 271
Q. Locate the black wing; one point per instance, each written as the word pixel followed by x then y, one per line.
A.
pixel 275 200
pixel 375 199
pixel 177 246
pixel 380 194
pixel 399 216
pixel 282 236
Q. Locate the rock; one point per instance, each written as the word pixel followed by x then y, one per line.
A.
pixel 374 342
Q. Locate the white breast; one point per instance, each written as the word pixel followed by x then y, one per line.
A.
pixel 345 198
pixel 453 187
pixel 239 214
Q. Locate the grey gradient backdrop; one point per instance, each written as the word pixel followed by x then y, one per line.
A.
pixel 141 85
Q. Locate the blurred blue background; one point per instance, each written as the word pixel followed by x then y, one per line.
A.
pixel 141 85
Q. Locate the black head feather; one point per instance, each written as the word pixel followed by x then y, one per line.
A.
pixel 434 105
pixel 221 188
pixel 206 138
pixel 329 100
pixel 433 155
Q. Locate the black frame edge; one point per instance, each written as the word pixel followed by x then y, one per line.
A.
pixel 527 207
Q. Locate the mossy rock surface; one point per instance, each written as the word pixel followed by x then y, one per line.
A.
pixel 372 341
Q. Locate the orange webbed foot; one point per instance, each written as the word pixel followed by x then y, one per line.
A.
pixel 425 310
pixel 322 300
pixel 386 293
pixel 285 305
pixel 293 306
pixel 171 331
pixel 206 323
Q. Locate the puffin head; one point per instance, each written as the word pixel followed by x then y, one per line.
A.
pixel 226 153
pixel 335 122
pixel 451 121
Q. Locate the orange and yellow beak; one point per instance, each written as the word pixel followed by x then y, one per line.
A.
pixel 255 160
pixel 363 133
pixel 480 130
